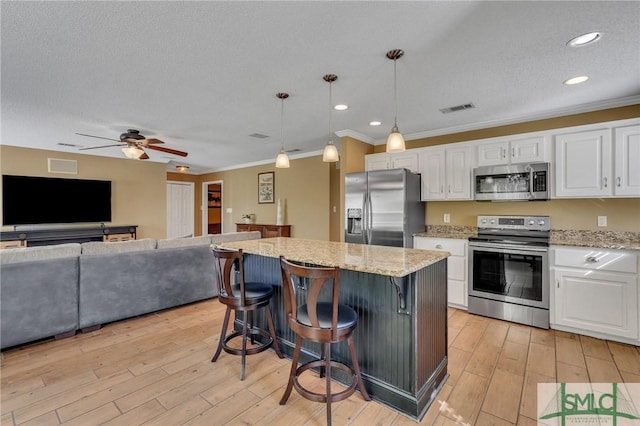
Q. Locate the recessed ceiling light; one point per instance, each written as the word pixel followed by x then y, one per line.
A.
pixel 584 39
pixel 375 123
pixel 576 80
pixel 340 107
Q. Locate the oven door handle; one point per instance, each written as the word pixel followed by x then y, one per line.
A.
pixel 509 247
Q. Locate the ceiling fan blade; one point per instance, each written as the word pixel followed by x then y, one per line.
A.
pixel 168 150
pixel 103 146
pixel 144 157
pixel 150 141
pixel 99 137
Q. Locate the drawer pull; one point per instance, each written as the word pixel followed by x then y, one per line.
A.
pixel 438 246
pixel 592 259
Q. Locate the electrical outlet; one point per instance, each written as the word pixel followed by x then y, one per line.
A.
pixel 447 218
pixel 602 221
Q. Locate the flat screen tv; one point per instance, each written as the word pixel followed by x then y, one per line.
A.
pixel 29 200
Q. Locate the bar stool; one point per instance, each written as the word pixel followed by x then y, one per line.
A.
pixel 319 321
pixel 245 297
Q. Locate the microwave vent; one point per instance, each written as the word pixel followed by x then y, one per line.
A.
pixel 457 108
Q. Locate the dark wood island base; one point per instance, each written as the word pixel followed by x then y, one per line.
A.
pixel 401 338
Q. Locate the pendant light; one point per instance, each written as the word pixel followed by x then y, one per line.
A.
pixel 395 141
pixel 282 160
pixel 330 153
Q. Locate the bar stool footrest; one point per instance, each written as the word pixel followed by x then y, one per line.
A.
pixel 250 351
pixel 321 397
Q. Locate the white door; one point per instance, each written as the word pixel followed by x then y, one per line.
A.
pixel 180 205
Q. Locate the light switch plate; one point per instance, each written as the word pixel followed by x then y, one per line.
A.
pixel 229 210
pixel 602 221
pixel 447 218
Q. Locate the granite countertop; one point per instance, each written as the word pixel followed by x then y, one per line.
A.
pixel 619 240
pixel 388 261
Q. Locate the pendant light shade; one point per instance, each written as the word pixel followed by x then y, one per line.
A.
pixel 282 160
pixel 330 153
pixel 395 141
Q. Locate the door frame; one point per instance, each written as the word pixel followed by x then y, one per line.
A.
pixel 205 206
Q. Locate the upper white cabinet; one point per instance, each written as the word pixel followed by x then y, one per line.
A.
pixel 446 172
pixel 382 161
pixel 627 161
pixel 596 292
pixel 588 164
pixel 512 150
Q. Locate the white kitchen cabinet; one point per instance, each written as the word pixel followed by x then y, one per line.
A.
pixel 589 164
pixel 456 266
pixel 512 150
pixel 595 292
pixel 627 161
pixel 446 173
pixel 401 160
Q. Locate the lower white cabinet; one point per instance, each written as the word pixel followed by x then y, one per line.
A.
pixel 456 266
pixel 595 292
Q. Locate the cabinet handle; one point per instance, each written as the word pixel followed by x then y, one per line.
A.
pixel 513 152
pixel 504 153
pixel 441 189
pixel 592 259
pixel 619 181
pixel 449 189
pixel 438 246
pixel 605 182
pixel 558 283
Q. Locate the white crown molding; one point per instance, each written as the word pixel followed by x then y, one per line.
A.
pixel 262 162
pixel 356 135
pixel 560 112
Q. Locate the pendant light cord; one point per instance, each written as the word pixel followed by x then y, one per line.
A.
pixel 330 115
pixel 395 93
pixel 282 124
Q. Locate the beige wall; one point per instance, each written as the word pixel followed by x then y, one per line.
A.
pixel 622 214
pixel 138 189
pixel 303 189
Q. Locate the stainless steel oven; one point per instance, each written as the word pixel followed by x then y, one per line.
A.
pixel 509 269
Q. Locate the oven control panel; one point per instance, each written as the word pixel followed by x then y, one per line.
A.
pixel 531 223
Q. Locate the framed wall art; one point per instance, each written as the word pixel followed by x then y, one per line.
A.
pixel 266 187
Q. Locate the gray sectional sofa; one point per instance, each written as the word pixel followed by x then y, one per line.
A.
pixel 56 290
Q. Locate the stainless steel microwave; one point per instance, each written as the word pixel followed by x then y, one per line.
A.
pixel 515 182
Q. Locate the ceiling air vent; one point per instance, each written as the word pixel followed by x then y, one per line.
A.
pixel 258 136
pixel 293 150
pixel 69 144
pixel 457 108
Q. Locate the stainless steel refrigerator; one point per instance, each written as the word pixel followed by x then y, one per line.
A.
pixel 383 207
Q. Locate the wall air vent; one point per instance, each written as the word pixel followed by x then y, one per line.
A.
pixel 258 136
pixel 57 165
pixel 457 108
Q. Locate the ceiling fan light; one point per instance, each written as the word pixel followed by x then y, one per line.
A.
pixel 282 160
pixel 395 141
pixel 133 152
pixel 330 153
pixel 182 169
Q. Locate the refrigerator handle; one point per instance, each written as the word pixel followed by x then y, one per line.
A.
pixel 365 216
pixel 369 218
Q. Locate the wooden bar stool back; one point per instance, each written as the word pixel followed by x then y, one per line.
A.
pixel 325 322
pixel 245 297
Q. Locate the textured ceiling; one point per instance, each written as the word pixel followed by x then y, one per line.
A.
pixel 202 76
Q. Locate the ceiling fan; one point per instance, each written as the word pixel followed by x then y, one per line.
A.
pixel 136 143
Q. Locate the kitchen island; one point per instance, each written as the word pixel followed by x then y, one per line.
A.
pixel 400 296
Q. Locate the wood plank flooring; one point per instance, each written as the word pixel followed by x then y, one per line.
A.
pixel 156 370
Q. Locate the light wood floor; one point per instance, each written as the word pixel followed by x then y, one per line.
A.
pixel 155 369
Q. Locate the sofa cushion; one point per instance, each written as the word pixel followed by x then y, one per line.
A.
pixel 118 246
pixel 28 254
pixel 184 242
pixel 234 236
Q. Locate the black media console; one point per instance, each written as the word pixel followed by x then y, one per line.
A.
pixel 45 237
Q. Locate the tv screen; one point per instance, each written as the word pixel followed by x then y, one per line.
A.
pixel 29 200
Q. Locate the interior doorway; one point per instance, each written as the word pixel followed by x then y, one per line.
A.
pixel 212 209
